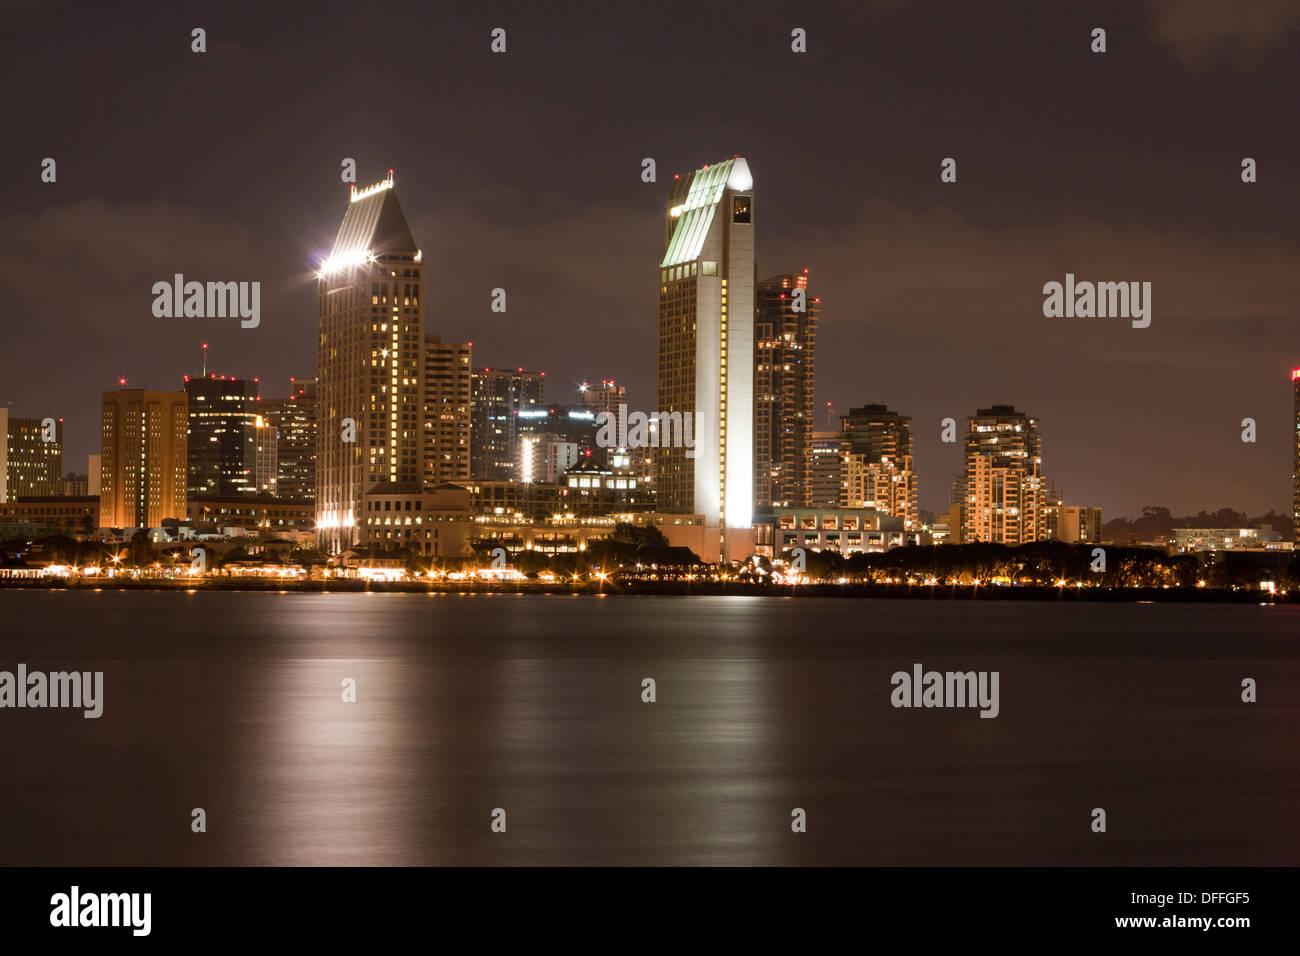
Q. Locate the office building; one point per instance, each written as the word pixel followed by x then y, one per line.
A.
pixel 31 459
pixel 608 398
pixel 498 395
pixel 706 352
pixel 222 435
pixel 294 420
pixel 369 363
pixel 824 470
pixel 143 457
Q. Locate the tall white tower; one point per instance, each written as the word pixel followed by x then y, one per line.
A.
pixel 706 351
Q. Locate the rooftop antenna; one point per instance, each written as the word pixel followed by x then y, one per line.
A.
pixel 205 359
pixel 830 417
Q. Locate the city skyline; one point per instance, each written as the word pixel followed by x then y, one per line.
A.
pixel 431 350
pixel 936 279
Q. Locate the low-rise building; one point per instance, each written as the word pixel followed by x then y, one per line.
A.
pixel 256 513
pixel 432 522
pixel 845 530
pixel 65 514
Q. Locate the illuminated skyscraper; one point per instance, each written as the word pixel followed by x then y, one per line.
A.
pixel 266 462
pixel 370 363
pixel 31 457
pixel 498 395
pixel 610 399
pixel 823 470
pixel 706 352
pixel 446 410
pixel 294 419
pixel 142 458
pixel 784 350
pixel 1005 489
pixel 876 432
pixel 878 470
pixel 222 435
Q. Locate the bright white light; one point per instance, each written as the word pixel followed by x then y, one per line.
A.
pixel 336 263
pixel 740 178
pixel 527 463
pixel 371 190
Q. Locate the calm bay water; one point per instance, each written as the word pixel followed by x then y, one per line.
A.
pixel 231 702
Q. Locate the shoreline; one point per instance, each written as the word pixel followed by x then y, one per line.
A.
pixel 692 588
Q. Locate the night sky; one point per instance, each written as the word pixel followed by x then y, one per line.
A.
pixel 522 171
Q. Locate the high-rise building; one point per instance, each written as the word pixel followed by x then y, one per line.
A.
pixel 605 397
pixel 222 435
pixel 143 437
pixel 886 485
pixel 498 395
pixel 446 410
pixel 877 446
pixel 1005 489
pixel 824 471
pixel 876 433
pixel 266 460
pixel 611 399
pixel 1053 510
pixel 369 363
pixel 552 439
pixel 706 352
pixel 294 419
pixel 785 334
pixel 1295 470
pixel 31 459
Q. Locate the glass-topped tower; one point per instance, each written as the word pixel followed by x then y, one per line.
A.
pixel 706 352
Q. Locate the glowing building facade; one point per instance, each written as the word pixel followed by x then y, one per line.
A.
pixel 1005 488
pixel 706 352
pixel 370 364
pixel 143 441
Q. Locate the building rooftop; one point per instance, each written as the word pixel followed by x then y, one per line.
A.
pixel 693 201
pixel 373 225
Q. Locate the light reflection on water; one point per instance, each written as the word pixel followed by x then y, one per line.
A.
pixel 466 703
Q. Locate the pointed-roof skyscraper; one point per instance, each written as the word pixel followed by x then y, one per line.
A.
pixel 370 363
